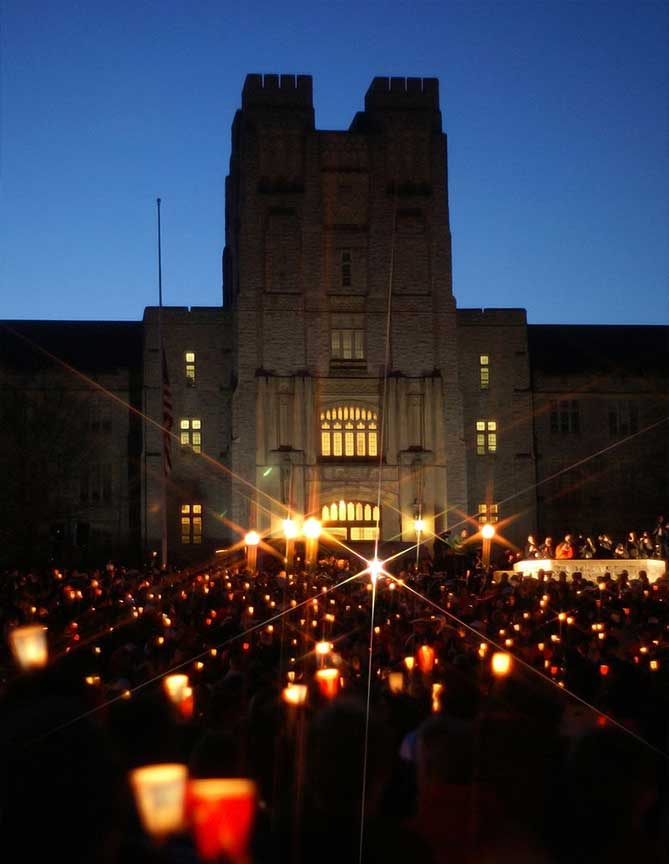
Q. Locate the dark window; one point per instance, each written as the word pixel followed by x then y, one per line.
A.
pixel 565 417
pixel 346 268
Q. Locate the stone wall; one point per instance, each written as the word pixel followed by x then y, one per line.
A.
pixel 195 478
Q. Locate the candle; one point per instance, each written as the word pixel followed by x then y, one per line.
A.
pixel 175 687
pixel 501 663
pixel 29 646
pixel 426 659
pixel 396 682
pixel 328 682
pixel 159 792
pixel 295 694
pixel 222 813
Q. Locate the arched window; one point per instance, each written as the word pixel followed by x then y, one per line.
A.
pixel 348 431
pixel 351 520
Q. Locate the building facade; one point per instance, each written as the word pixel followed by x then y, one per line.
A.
pixel 339 375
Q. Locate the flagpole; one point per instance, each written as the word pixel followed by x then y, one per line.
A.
pixel 163 473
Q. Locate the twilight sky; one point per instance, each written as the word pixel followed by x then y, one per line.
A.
pixel 557 113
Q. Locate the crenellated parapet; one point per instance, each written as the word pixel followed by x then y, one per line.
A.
pixel 278 91
pixel 403 93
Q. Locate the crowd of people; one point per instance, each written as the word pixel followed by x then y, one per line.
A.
pixel 563 759
pixel 457 552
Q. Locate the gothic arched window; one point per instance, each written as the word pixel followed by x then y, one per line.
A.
pixel 351 520
pixel 349 431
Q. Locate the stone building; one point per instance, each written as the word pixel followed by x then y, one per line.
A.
pixel 338 371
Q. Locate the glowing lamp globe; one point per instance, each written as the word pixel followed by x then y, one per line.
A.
pixel 419 525
pixel 29 646
pixel 289 529
pixel 487 532
pixel 323 648
pixel 221 813
pixel 312 529
pixel 501 663
pixel 252 538
pixel 159 792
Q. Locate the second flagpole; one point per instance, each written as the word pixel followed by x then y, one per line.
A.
pixel 161 354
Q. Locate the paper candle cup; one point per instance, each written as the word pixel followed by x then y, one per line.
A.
pixel 221 813
pixel 160 796
pixel 29 646
pixel 328 682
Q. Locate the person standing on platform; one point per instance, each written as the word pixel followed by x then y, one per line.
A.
pixel 565 550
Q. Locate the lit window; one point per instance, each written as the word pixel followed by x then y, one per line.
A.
pixel 346 268
pixel 191 523
pixel 486 437
pixel 347 338
pixel 351 520
pixel 488 513
pixel 190 368
pixel 484 371
pixel 349 431
pixel 190 433
pixel 565 416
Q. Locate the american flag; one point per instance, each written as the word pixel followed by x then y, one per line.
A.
pixel 168 419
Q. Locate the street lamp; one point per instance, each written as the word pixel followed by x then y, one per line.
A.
pixel 487 532
pixel 290 533
pixel 252 539
pixel 419 528
pixel 312 531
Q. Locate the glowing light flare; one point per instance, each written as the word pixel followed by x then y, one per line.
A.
pixel 159 792
pixel 295 694
pixel 501 664
pixel 252 538
pixel 289 529
pixel 419 525
pixel 437 690
pixel 488 531
pixel 375 568
pixel 312 529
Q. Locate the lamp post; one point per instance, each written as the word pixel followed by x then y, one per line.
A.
pixel 252 539
pixel 312 531
pixel 419 528
pixel 487 532
pixel 290 533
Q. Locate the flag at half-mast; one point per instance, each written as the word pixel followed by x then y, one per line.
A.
pixel 168 418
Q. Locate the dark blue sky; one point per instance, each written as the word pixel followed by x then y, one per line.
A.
pixel 557 114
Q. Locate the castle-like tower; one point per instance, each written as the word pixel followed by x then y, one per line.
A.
pixel 291 397
pixel 325 230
